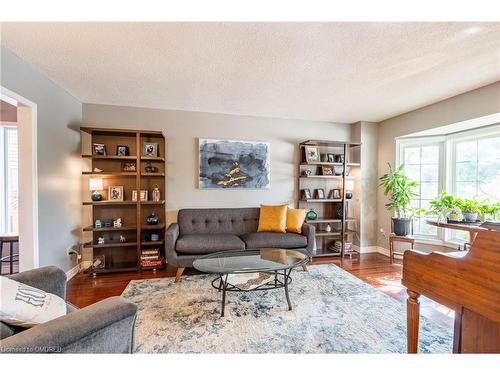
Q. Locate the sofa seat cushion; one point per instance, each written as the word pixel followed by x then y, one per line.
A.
pixel 208 243
pixel 271 239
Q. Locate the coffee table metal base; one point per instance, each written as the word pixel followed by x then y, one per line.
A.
pixel 281 280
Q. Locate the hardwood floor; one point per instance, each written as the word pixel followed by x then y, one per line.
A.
pixel 373 268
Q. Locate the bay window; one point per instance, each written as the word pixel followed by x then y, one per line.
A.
pixel 465 164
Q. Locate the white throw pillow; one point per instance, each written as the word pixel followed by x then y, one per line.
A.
pixel 25 306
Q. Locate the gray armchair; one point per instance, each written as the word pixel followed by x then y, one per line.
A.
pixel 104 327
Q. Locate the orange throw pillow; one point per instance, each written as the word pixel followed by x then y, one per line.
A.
pixel 294 219
pixel 272 219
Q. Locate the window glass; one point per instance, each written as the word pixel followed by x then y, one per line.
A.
pixel 422 166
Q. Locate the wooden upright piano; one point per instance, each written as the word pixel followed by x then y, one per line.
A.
pixel 468 283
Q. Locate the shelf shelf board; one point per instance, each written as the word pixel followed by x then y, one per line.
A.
pixel 152 158
pixel 325 220
pixel 148 243
pixel 108 229
pixel 311 142
pixel 110 174
pixel 153 202
pixel 110 203
pixel 153 227
pixel 321 163
pixel 111 244
pixel 109 157
pixel 328 234
pixel 112 269
pixel 152 174
pixel 320 200
pixel 145 268
pixel 322 176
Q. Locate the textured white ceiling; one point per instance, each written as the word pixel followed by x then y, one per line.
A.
pixel 342 72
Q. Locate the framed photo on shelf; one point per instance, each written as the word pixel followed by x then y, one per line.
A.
pixel 150 149
pixel 312 154
pixel 115 193
pixel 143 197
pixel 326 171
pixel 129 166
pixel 330 158
pixel 99 149
pixel 306 194
pixel 335 194
pixel 121 150
pixel 320 193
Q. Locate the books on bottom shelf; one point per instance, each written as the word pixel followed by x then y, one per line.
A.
pixel 151 257
pixel 337 246
pixel 150 263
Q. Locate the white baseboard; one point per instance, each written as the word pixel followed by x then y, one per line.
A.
pixel 72 272
pixel 371 249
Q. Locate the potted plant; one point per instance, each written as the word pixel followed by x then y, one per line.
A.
pixel 445 207
pixel 470 209
pixel 398 187
pixel 488 211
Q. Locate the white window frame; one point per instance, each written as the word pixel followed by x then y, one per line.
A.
pixel 401 145
pixel 447 174
pixel 4 183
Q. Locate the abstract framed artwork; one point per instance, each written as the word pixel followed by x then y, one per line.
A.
pixel 233 164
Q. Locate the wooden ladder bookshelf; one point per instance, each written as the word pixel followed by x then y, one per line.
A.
pixel 336 164
pixel 124 256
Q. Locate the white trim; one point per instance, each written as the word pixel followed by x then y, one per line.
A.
pixel 73 272
pixel 29 255
pixel 371 249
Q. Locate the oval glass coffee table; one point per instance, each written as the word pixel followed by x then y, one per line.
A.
pixel 251 270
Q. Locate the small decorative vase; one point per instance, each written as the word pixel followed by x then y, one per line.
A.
pixel 328 228
pixel 311 215
pixel 152 219
pixel 98 224
pixel 96 196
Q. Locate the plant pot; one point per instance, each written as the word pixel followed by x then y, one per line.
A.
pixel 470 217
pixel 455 216
pixel 402 226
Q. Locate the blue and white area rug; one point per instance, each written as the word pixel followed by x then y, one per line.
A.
pixel 333 312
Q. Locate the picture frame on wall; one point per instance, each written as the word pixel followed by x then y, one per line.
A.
pixel 122 150
pixel 115 193
pixel 312 154
pixel 150 149
pixel 234 164
pixel 99 149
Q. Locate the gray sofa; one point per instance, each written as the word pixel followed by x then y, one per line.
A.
pixel 204 231
pixel 104 327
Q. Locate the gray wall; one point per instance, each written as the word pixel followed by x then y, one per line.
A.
pixel 367 133
pixel 182 129
pixel 473 104
pixel 59 162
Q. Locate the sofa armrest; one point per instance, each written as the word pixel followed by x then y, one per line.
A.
pixel 171 236
pixel 49 279
pixel 104 327
pixel 309 231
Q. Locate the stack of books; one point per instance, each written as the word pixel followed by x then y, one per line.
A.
pixel 151 257
pixel 337 246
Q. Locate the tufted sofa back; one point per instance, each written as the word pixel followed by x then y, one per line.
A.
pixel 236 221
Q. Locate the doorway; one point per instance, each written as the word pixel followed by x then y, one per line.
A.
pixel 18 184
